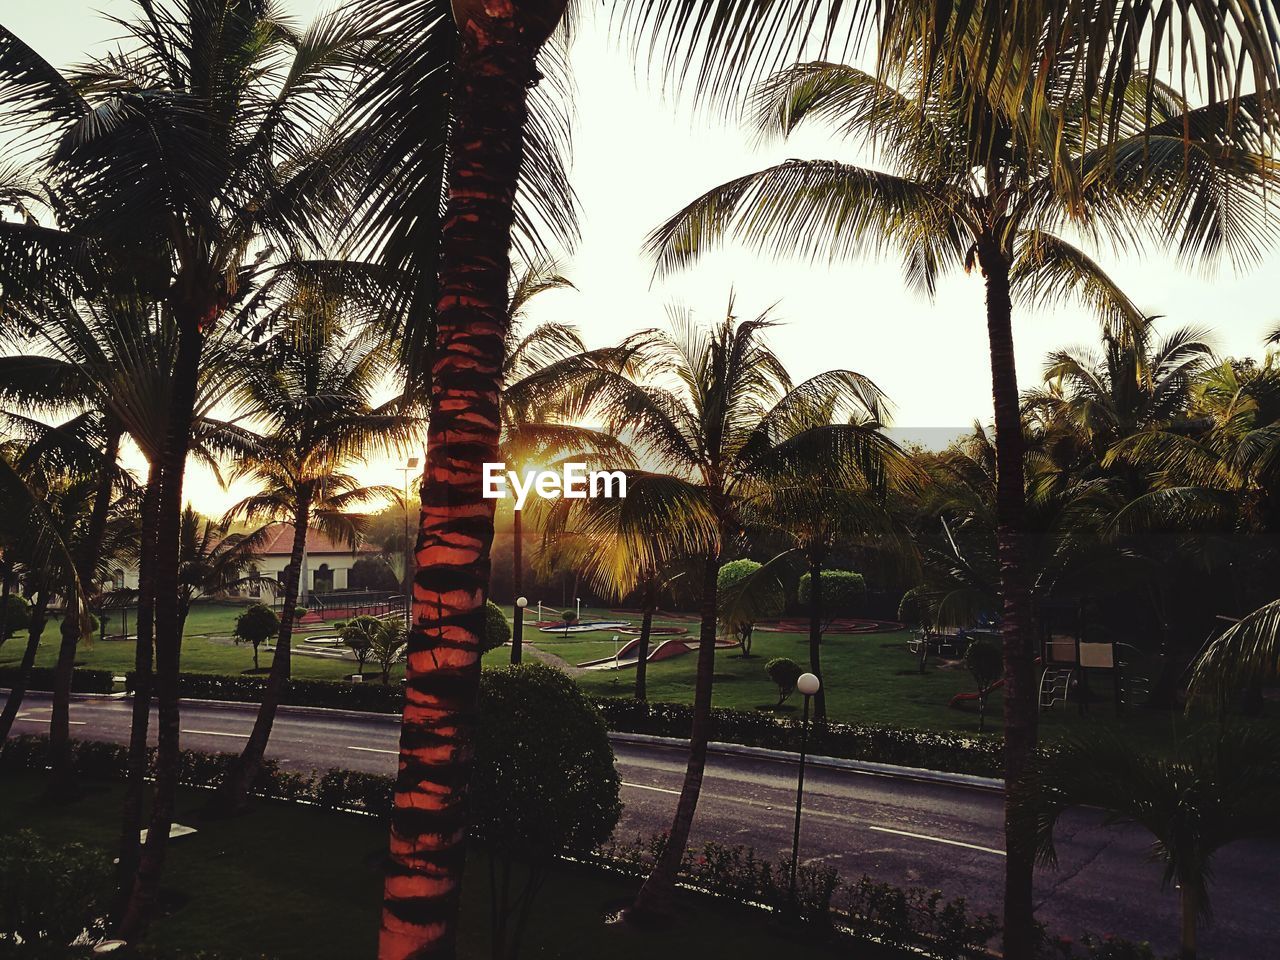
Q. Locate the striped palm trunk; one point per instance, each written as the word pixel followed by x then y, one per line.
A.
pixel 1020 700
pixel 495 67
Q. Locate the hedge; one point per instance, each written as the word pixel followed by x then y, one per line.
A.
pixel 82 681
pixel 926 749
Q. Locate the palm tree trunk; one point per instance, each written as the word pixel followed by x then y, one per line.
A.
pixel 642 646
pixel 815 637
pixel 1190 909
pixel 19 689
pixel 234 794
pixel 494 69
pixel 144 651
pixel 192 314
pixel 517 586
pixel 62 782
pixel 1020 701
pixel 655 897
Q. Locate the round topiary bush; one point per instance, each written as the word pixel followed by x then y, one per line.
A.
pixel 742 603
pixel 497 630
pixel 784 672
pixel 15 616
pixel 843 592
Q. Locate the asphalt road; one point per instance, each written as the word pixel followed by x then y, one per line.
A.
pixel 900 831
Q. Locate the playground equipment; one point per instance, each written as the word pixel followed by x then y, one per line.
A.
pixel 1070 656
pixel 628 655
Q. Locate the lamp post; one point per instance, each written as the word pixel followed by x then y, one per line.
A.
pixel 517 631
pixel 539 611
pixel 808 685
pixel 407 581
pixel 578 609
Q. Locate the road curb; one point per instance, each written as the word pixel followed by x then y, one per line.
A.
pixel 869 767
pixel 918 774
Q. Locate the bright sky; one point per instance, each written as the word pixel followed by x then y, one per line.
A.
pixel 638 158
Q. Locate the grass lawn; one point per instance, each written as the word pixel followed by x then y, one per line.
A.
pixel 870 678
pixel 290 882
pixel 205 648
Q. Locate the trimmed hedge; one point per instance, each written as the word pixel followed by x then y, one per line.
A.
pixel 928 749
pixel 82 680
pixel 333 694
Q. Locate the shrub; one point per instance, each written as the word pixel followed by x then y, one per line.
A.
pixel 374 574
pixel 543 785
pixel 15 616
pixel 746 598
pixel 82 680
pixel 569 617
pixel 784 672
pixel 843 592
pixel 50 893
pixel 497 630
pixel 257 623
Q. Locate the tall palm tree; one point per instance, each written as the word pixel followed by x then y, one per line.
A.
pixel 312 388
pixel 977 182
pixel 1219 787
pixel 201 142
pixel 729 419
pixel 498 43
pixel 546 372
pixel 636 545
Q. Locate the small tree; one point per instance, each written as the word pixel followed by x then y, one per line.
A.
pixel 784 672
pixel 359 634
pixel 570 617
pixel 388 645
pixel 843 592
pixel 745 597
pixel 497 629
pixel 544 784
pixel 258 623
pixel 985 660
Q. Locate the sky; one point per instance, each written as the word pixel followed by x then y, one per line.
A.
pixel 640 156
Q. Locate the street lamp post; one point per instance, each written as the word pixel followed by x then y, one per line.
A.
pixel 407 584
pixel 517 631
pixel 578 609
pixel 808 685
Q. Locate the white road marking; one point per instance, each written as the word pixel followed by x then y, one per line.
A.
pixel 217 733
pixel 953 843
pixel 394 753
pixel 645 786
pixel 74 723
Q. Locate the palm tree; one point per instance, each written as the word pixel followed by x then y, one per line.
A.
pixel 978 182
pixel 201 143
pixel 730 419
pixel 311 387
pixel 635 545
pixel 546 373
pixel 1219 787
pixel 213 561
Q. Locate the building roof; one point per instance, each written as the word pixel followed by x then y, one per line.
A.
pixel 279 542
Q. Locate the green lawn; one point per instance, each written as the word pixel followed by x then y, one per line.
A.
pixel 870 678
pixel 205 648
pixel 291 882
